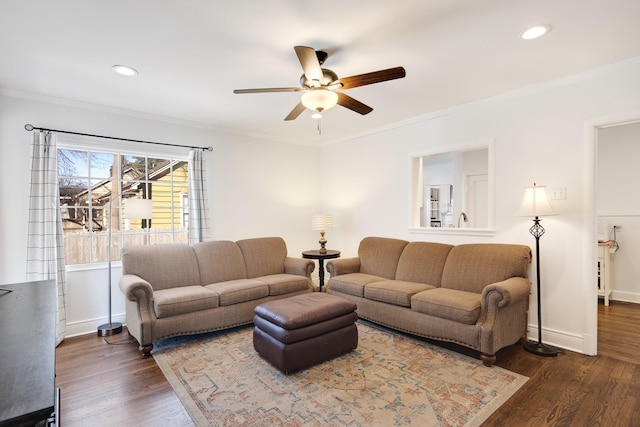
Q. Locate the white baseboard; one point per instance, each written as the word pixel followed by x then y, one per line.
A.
pixel 626 296
pixel 90 326
pixel 559 339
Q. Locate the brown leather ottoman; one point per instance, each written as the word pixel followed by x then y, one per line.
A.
pixel 301 331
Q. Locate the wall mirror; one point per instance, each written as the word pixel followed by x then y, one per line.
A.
pixel 453 191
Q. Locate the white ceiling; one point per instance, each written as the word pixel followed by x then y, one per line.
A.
pixel 192 54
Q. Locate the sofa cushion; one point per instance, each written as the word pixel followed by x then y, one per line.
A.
pixel 280 284
pixel 379 256
pixel 471 267
pixel 263 256
pixel 237 291
pixel 394 292
pixel 352 283
pixel 219 261
pixel 183 299
pixel 163 266
pixel 460 306
pixel 423 262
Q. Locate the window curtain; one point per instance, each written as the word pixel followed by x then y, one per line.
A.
pixel 45 244
pixel 198 201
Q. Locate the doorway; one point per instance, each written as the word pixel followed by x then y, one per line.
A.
pixel 477 194
pixel 617 206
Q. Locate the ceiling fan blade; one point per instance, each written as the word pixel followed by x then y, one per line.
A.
pixel 297 110
pixel 353 104
pixel 310 64
pixel 373 77
pixel 269 89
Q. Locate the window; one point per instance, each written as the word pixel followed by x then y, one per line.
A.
pixel 94 187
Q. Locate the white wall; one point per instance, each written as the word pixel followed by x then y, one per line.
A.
pixel 256 188
pixel 618 203
pixel 541 135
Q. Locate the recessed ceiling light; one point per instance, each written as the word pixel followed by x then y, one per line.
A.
pixel 535 32
pixel 124 70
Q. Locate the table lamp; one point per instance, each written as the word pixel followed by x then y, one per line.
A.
pixel 322 223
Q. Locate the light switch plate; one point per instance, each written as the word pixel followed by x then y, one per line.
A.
pixel 558 193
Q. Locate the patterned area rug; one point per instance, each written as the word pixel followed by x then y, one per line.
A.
pixel 389 380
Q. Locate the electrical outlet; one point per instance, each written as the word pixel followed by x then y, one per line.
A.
pixel 558 193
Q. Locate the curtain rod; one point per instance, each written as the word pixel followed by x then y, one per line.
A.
pixel 30 127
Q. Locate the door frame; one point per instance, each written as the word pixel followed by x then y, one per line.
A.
pixel 590 252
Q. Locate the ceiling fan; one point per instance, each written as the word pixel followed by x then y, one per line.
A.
pixel 321 86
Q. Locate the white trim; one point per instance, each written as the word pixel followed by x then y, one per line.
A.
pixel 91 326
pixel 618 213
pixel 479 144
pixel 485 232
pixel 429 116
pixel 590 237
pixel 103 109
pixel 183 208
pixel 590 218
pixel 516 93
pixel 72 268
pixel 560 339
pixel 626 296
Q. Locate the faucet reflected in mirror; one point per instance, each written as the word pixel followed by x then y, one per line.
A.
pixel 463 216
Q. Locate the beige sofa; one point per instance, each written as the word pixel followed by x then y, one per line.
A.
pixel 476 295
pixel 179 289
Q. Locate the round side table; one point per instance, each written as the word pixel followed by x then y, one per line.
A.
pixel 315 254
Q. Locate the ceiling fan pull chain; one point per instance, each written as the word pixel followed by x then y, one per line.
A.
pixel 319 126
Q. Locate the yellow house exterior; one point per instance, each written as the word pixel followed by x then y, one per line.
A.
pixel 168 215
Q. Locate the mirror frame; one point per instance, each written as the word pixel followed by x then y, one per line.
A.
pixel 417 184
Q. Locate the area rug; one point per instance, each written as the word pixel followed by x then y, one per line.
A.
pixel 390 379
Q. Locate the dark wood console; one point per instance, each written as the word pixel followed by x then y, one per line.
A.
pixel 27 354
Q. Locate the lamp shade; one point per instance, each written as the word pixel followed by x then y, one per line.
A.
pixel 138 208
pixel 319 99
pixel 535 202
pixel 322 222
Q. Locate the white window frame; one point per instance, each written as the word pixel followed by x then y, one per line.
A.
pixel 81 144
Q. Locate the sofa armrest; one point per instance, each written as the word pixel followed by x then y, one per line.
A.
pixel 503 315
pixel 140 313
pixel 299 266
pixel 505 293
pixel 336 267
pixel 136 289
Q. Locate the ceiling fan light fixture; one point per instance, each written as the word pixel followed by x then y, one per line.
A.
pixel 316 115
pixel 319 99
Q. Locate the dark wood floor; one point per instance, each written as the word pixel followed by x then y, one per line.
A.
pixel 577 390
pixel 111 385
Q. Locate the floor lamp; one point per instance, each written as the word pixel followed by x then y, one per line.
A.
pixel 536 204
pixel 134 208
